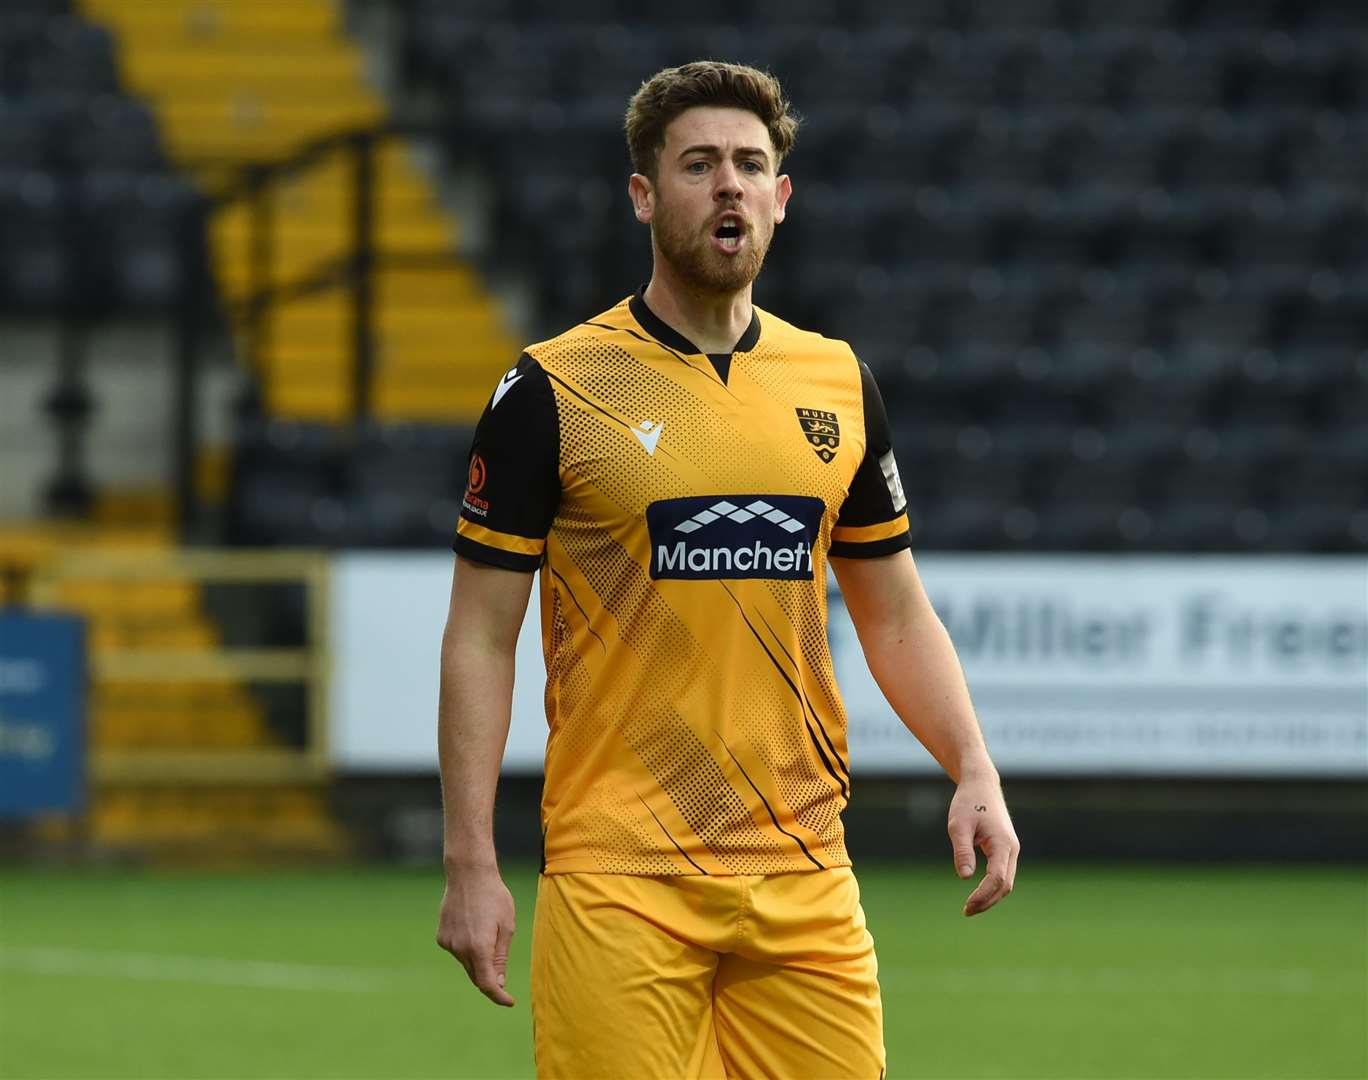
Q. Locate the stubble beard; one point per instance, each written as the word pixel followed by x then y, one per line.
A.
pixel 690 252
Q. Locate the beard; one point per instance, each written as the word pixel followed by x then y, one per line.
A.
pixel 690 251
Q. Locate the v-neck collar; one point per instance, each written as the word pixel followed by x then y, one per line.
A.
pixel 672 339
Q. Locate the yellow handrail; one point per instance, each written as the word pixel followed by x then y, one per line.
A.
pixel 308 664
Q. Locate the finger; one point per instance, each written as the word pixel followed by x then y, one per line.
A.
pixel 502 940
pixel 990 890
pixel 489 980
pixel 993 887
pixel 962 844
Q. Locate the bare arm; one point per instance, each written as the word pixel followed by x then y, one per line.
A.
pixel 913 660
pixel 474 707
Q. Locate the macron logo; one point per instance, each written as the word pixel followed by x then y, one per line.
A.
pixel 648 434
pixel 505 385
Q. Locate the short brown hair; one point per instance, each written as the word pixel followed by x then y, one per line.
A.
pixel 668 93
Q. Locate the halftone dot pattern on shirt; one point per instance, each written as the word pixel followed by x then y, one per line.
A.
pixel 768 723
pixel 774 372
pixel 593 437
pixel 569 683
pixel 776 723
pixel 672 752
pixel 694 721
pixel 614 828
pixel 809 618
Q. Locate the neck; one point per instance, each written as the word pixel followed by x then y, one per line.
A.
pixel 712 321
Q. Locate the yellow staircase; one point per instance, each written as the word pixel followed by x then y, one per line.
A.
pixel 139 729
pixel 242 81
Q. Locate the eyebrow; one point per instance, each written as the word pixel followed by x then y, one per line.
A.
pixel 706 148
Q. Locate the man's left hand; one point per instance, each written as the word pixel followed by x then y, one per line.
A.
pixel 979 818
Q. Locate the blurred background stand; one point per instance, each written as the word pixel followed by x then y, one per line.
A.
pixel 260 264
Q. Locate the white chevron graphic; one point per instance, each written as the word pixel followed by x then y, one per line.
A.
pixel 740 514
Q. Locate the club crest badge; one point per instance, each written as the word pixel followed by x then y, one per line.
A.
pixel 822 430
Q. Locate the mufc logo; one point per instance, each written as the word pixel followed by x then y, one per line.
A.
pixel 822 430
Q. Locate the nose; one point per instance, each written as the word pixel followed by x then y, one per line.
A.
pixel 727 180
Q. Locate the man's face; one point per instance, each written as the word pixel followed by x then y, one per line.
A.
pixel 716 197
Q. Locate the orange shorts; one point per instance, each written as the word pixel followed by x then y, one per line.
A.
pixel 657 978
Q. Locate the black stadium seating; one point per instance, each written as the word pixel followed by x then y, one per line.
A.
pixel 1109 261
pixel 92 216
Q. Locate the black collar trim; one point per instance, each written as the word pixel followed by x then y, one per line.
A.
pixel 671 338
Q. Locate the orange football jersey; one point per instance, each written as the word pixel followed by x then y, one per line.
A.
pixel 681 509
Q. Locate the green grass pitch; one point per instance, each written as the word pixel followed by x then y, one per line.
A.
pixel 1085 972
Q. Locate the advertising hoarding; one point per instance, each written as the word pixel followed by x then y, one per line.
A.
pixel 42 714
pixel 1089 665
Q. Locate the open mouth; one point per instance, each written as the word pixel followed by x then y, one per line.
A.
pixel 729 235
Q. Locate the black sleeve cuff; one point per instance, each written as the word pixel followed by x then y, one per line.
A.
pixel 492 556
pixel 844 549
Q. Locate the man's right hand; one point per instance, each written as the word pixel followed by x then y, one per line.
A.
pixel 476 926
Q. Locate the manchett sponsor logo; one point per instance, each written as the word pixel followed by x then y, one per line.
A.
pixel 766 536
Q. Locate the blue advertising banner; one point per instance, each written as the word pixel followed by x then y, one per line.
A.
pixel 42 707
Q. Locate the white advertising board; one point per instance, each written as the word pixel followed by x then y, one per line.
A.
pixel 1077 664
pixel 1159 665
pixel 386 619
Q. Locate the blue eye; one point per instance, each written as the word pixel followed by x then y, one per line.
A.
pixel 697 166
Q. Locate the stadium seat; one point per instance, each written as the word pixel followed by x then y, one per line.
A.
pixel 70 57
pixel 112 132
pixel 140 223
pixel 1033 218
pixel 38 270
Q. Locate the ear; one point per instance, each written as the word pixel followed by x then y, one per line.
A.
pixel 642 194
pixel 783 188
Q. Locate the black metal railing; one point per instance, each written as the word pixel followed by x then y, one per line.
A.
pixel 198 308
pixel 257 185
pixel 78 309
